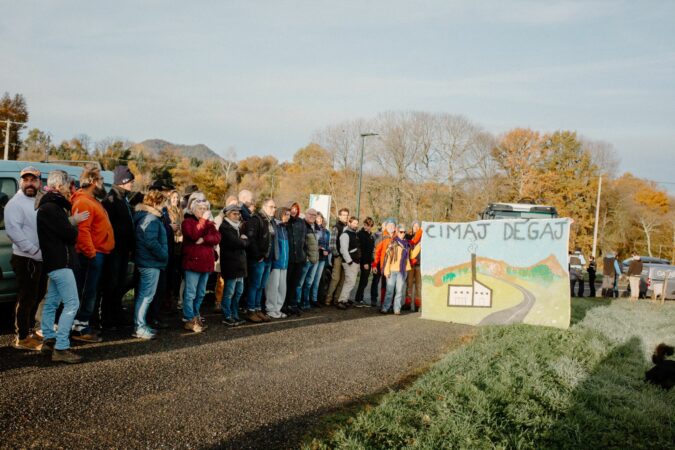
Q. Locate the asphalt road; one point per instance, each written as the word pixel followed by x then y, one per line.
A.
pixel 257 386
pixel 515 314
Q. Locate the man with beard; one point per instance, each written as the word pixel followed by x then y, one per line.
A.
pixel 95 240
pixel 21 225
pixel 116 204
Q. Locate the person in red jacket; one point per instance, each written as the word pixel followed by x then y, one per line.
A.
pixel 380 250
pixel 95 240
pixel 200 236
pixel 414 278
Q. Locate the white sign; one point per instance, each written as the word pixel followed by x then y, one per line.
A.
pixel 322 204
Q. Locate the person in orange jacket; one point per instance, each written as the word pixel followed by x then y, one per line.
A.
pixel 414 278
pixel 380 250
pixel 95 239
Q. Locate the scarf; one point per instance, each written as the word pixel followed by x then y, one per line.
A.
pixel 405 253
pixel 234 224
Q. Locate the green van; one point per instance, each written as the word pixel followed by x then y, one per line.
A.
pixel 9 184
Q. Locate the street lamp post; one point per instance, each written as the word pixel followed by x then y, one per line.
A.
pixel 358 195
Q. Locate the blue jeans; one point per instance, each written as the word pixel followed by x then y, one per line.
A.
pixel 306 284
pixel 147 285
pixel 87 285
pixel 195 288
pixel 258 273
pixel 231 293
pixel 317 280
pixel 62 288
pixel 303 300
pixel 396 280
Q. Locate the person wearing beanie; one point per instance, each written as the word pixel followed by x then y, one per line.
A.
pixel 113 278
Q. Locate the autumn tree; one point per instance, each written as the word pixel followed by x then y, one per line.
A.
pixel 36 146
pixel 15 110
pixel 519 153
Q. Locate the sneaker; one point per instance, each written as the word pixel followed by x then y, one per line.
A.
pixel 48 345
pixel 274 315
pixel 230 322
pixel 194 325
pixel 283 315
pixel 342 306
pixel 28 343
pixel 397 313
pixel 361 305
pixel 66 356
pixel 38 333
pixel 294 310
pixel 239 321
pixel 252 316
pixel 144 333
pixel 86 334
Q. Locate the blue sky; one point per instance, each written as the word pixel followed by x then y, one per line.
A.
pixel 262 76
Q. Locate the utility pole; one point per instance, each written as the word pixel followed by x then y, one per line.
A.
pixel 597 216
pixel 358 196
pixel 9 122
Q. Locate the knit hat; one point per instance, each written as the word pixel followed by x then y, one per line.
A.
pixel 122 175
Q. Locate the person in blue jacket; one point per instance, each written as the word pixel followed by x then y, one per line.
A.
pixel 275 289
pixel 152 256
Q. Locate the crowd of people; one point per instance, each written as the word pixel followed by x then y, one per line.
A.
pixel 72 247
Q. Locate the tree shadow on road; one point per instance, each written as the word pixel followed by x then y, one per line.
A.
pixel 120 344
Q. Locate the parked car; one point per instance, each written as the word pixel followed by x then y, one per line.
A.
pixel 656 277
pixel 648 262
pixel 9 184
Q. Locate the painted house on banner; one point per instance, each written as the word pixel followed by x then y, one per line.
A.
pixel 475 294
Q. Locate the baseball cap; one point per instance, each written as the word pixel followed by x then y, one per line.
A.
pixel 30 170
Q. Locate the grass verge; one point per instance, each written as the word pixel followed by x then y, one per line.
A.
pixel 533 387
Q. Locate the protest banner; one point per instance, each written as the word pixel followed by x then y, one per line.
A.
pixel 322 204
pixel 496 272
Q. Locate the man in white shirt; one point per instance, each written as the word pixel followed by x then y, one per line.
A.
pixel 21 226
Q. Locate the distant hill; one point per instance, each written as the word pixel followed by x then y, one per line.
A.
pixel 155 146
pixel 543 271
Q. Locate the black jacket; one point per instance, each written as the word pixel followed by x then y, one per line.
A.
pixel 367 243
pixel 259 237
pixel 232 252
pixel 297 235
pixel 121 218
pixel 56 235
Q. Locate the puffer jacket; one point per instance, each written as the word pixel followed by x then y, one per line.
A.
pixel 199 257
pixel 57 236
pixel 312 244
pixel 297 240
pixel 152 251
pixel 232 252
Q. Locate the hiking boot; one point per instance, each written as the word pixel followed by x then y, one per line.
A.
pixel 264 317
pixel 201 321
pixel 86 334
pixel 28 343
pixel 194 325
pixel 252 316
pixel 48 345
pixel 66 356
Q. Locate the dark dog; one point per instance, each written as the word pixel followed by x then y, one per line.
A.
pixel 663 373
